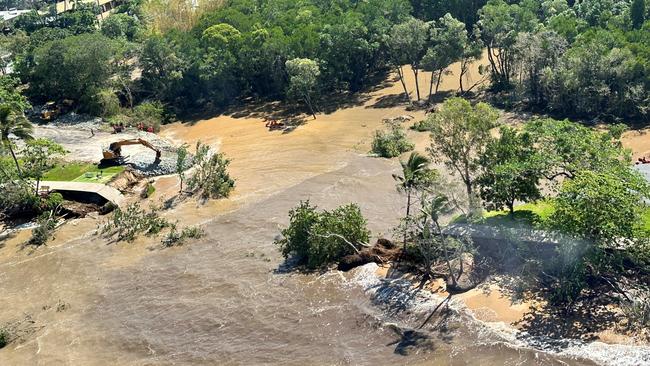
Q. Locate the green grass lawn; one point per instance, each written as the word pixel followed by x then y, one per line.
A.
pixel 80 172
pixel 524 215
pixel 527 214
pixel 534 214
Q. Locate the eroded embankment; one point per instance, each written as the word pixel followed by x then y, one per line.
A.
pixel 406 305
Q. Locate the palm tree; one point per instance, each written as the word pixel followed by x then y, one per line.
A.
pixel 412 172
pixel 16 124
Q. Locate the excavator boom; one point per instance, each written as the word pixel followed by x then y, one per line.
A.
pixel 114 151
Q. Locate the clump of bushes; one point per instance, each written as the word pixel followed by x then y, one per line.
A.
pixel 127 224
pixel 422 126
pixel 104 103
pixel 149 114
pixel 391 143
pixel 145 116
pixel 17 198
pixel 52 202
pixel 211 178
pixel 318 238
pixel 176 238
pixel 637 311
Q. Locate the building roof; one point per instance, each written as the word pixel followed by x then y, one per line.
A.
pixel 12 13
pixel 66 5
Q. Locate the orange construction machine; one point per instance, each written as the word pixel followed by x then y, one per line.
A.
pixel 113 154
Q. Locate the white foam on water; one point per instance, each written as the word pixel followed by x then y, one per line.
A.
pixel 493 333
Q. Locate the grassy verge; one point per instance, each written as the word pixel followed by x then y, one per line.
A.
pixel 534 214
pixel 529 214
pixel 80 172
pixel 526 215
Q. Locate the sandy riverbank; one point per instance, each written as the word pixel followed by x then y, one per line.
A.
pixel 490 303
pixel 499 317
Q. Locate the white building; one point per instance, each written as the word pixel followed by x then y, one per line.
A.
pixel 12 13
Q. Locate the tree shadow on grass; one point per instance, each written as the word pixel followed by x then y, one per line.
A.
pixel 519 219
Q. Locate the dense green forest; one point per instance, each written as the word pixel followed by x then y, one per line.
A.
pixel 584 59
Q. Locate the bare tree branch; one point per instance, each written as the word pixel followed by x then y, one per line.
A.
pixel 333 235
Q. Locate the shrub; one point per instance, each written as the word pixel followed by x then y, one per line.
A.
pixel 422 126
pixel 127 224
pixel 320 238
pixel 18 199
pixel 211 178
pixel 148 191
pixel 637 310
pixel 193 232
pixel 392 143
pixel 52 202
pixel 175 238
pixel 104 103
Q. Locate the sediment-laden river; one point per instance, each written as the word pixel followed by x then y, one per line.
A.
pixel 225 300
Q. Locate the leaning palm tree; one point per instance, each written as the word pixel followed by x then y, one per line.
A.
pixel 413 170
pixel 14 123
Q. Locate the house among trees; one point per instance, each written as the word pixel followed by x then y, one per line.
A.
pixel 11 13
pixel 105 6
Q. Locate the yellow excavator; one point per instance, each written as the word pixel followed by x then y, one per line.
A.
pixel 52 110
pixel 113 154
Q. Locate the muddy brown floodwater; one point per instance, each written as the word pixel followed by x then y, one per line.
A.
pixel 220 300
pixel 224 299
